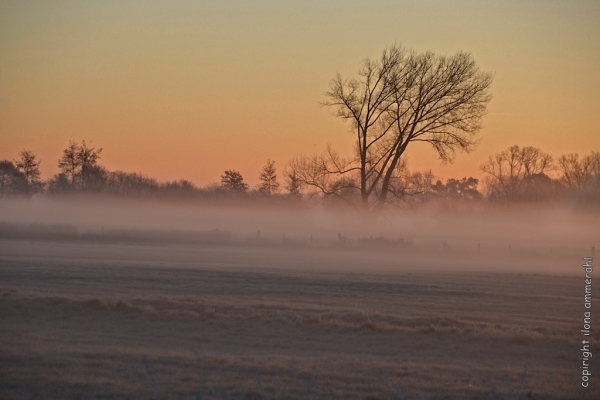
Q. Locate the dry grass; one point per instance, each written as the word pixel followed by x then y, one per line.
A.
pixel 120 326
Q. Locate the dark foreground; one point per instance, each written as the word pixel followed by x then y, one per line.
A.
pixel 110 321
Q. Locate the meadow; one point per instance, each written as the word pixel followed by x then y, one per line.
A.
pixel 111 320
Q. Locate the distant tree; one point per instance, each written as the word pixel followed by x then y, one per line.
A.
pixel 93 177
pixel 88 156
pixel 581 176
pixel 268 179
pixel 595 178
pixel 463 189
pixel 11 179
pixel 233 180
pixel 59 183
pixel 293 184
pixel 7 171
pixel 510 173
pixel 578 173
pixel 69 163
pixel 131 184
pixel 29 166
pixel 539 187
pixel 79 165
pixel 180 188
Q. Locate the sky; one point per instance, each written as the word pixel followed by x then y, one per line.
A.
pixel 189 89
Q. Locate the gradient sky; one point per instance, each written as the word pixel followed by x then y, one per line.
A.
pixel 188 89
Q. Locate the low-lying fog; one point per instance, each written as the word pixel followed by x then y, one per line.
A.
pixel 541 237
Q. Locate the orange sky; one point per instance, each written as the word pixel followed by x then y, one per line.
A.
pixel 188 89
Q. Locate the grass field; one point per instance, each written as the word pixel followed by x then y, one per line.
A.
pixel 139 321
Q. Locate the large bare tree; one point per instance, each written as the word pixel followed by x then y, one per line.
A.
pixel 402 98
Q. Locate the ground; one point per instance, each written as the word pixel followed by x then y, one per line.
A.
pixel 84 320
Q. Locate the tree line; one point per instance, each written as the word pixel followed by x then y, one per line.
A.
pixel 401 98
pixel 517 174
pixel 81 172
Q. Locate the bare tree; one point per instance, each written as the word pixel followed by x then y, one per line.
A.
pixel 131 184
pixel 79 165
pixel 595 179
pixel 332 177
pixel 69 163
pixel 268 179
pixel 293 184
pixel 327 174
pixel 93 176
pixel 233 180
pixel 578 173
pixel 404 97
pixel 29 166
pixel 512 172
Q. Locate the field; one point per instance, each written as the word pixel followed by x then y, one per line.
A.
pixel 109 320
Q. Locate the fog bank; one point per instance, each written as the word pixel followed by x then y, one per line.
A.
pixel 549 235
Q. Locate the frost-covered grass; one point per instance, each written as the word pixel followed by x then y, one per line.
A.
pixel 108 321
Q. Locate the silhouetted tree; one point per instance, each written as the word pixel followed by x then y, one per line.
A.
pixel 233 180
pixel 180 188
pixel 320 173
pixel 515 173
pixel 293 184
pixel 581 175
pixel 93 177
pixel 595 176
pixel 404 186
pixel 131 184
pixel 11 179
pixel 578 173
pixel 69 163
pixel 409 187
pixel 59 183
pixel 403 97
pixel 79 165
pixel 463 189
pixel 268 179
pixel 29 166
pixel 539 187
